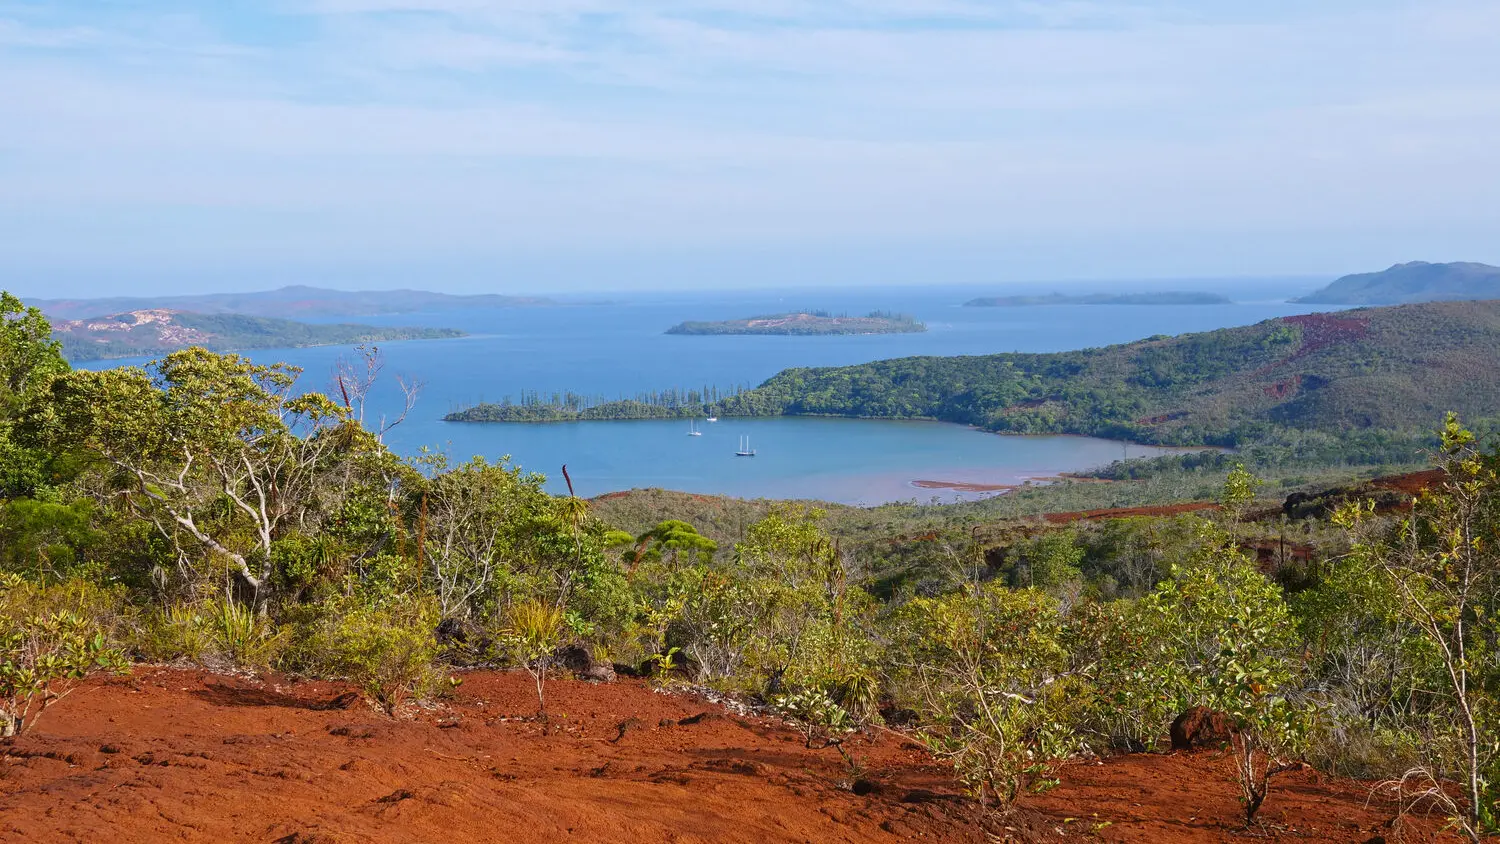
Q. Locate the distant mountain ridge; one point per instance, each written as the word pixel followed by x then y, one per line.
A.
pixel 1416 281
pixel 299 301
pixel 158 331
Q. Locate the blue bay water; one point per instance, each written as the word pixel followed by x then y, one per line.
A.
pixel 619 349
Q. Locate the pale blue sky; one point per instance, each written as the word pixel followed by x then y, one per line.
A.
pixel 534 145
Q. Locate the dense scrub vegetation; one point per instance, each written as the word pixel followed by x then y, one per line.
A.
pixel 203 509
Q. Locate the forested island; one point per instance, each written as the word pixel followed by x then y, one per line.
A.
pixel 1416 281
pixel 807 323
pixel 157 332
pixel 1162 298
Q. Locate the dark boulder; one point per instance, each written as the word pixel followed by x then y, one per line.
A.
pixel 1200 727
pixel 579 661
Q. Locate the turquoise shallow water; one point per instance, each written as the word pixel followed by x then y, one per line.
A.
pixel 619 349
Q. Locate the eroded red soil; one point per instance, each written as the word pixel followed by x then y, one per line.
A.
pixel 191 756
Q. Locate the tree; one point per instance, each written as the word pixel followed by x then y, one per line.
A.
pixel 217 452
pixel 489 533
pixel 1228 631
pixel 1239 491
pixel 533 633
pixel 981 666
pixel 29 360
pixel 1443 563
pixel 670 541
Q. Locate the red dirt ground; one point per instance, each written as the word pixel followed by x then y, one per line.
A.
pixel 184 755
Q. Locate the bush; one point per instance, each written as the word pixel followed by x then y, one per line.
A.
pixel 46 648
pixel 980 667
pixel 389 650
pixel 217 633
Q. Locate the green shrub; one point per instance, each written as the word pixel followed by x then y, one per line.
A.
pixel 389 650
pixel 217 633
pixel 46 648
pixel 980 668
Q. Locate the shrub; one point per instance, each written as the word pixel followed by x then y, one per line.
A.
pixel 218 633
pixel 45 650
pixel 1229 631
pixel 388 649
pixel 533 633
pixel 980 668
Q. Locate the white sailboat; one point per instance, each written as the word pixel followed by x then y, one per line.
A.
pixel 693 429
pixel 713 418
pixel 745 449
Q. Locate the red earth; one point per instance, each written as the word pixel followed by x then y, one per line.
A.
pixel 187 755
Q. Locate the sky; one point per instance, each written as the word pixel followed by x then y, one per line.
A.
pixel 559 145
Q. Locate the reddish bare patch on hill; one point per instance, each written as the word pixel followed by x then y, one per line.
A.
pixel 192 756
pixel 1414 483
pixel 1322 330
pixel 1126 512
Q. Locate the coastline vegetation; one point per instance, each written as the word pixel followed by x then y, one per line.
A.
pixel 532 406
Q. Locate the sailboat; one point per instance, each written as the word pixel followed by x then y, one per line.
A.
pixel 745 449
pixel 713 418
pixel 693 429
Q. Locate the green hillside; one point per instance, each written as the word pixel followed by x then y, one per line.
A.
pixel 1417 281
pixel 1388 369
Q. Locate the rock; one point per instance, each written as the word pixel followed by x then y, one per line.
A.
pixel 1200 727
pixel 598 674
pixel 579 661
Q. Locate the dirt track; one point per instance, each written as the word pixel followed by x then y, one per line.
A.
pixel 171 755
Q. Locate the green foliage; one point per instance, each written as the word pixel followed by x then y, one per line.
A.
pixel 1441 566
pixel 214 632
pixel 29 360
pixel 1239 490
pixel 980 667
pixel 388 648
pixel 532 634
pixel 1228 630
pixel 46 647
pixel 42 538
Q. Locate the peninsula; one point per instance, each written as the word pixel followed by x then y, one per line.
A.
pixel 1417 281
pixel 297 301
pixel 807 323
pixel 1162 298
pixel 146 333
